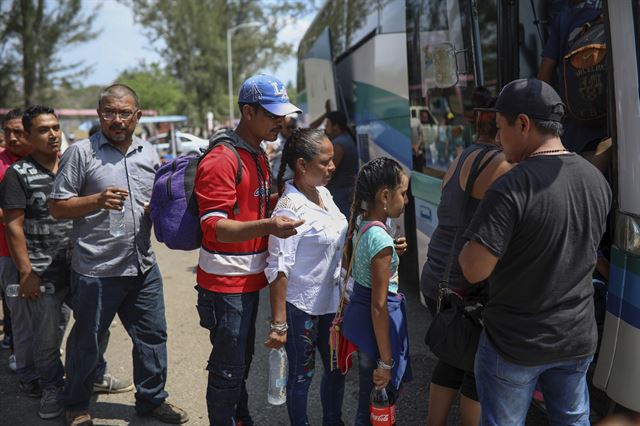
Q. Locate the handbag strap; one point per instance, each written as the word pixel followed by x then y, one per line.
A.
pixel 365 228
pixel 476 169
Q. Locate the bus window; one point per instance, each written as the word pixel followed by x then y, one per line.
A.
pixel 442 119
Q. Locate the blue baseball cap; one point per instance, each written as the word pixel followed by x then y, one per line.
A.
pixel 269 92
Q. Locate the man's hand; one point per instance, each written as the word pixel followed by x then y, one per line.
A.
pixel 112 198
pixel 381 377
pixel 283 227
pixel 30 285
pixel 400 245
pixel 275 340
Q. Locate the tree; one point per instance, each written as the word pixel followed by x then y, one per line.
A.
pixel 193 34
pixel 156 88
pixel 36 32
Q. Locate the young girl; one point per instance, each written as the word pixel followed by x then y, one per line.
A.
pixel 375 318
pixel 304 272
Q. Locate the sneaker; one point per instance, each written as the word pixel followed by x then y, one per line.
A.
pixel 6 342
pixel 13 366
pixel 31 389
pixel 49 407
pixel 168 413
pixel 110 384
pixel 79 418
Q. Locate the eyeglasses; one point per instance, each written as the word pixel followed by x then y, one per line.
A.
pixel 111 115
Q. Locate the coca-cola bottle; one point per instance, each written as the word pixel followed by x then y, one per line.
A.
pixel 383 406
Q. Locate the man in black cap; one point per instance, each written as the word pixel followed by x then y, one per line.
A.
pixel 535 236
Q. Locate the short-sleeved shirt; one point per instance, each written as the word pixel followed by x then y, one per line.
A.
pixel 544 220
pixel 311 259
pixel 89 167
pixel 26 186
pixel 373 241
pixel 6 160
pixel 564 27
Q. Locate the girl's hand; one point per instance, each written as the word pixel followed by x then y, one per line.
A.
pixel 381 377
pixel 275 340
pixel 400 245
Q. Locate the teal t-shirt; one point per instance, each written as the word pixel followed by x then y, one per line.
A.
pixel 369 245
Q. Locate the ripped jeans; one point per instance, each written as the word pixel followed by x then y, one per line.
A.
pixel 231 321
pixel 306 333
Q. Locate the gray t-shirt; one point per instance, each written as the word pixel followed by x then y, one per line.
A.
pixel 544 220
pixel 89 167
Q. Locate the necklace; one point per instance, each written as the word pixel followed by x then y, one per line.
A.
pixel 550 151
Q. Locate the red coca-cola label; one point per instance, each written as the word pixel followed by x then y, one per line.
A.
pixel 383 416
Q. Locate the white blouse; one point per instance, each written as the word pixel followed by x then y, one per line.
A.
pixel 311 259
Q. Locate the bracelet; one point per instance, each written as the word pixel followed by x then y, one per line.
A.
pixel 385 366
pixel 280 329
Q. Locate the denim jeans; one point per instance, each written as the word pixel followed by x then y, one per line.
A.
pixel 366 365
pixel 505 389
pixel 49 318
pixel 231 321
pixel 306 333
pixel 139 303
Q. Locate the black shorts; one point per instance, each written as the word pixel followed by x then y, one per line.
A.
pixel 448 376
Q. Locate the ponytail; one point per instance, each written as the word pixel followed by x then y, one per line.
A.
pixel 303 143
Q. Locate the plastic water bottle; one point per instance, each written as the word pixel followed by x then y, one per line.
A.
pixel 13 290
pixel 278 372
pixel 116 222
pixel 383 407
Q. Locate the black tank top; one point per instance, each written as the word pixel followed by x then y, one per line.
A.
pixel 449 220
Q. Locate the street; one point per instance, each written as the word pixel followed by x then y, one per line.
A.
pixel 189 349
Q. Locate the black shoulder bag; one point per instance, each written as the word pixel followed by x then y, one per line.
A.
pixel 455 330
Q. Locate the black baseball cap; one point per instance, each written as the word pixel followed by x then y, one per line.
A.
pixel 531 97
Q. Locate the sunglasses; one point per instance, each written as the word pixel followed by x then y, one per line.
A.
pixel 269 114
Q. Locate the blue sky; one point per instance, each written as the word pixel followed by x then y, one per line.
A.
pixel 122 45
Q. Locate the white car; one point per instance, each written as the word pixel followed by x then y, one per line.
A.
pixel 187 143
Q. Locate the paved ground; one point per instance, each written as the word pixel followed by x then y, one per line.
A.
pixel 189 349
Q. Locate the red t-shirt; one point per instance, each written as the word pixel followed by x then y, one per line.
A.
pixel 231 267
pixel 6 160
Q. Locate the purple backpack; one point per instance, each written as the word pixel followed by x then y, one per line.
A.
pixel 174 207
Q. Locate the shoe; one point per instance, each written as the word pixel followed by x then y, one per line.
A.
pixel 110 384
pixel 13 366
pixel 79 418
pixel 31 389
pixel 6 342
pixel 168 413
pixel 49 407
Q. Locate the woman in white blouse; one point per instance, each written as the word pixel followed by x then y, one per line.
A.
pixel 304 274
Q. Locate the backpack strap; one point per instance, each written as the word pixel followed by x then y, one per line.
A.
pixel 229 144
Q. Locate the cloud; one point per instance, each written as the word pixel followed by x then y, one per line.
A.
pixel 291 33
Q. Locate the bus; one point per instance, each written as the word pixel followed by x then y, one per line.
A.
pixel 408 73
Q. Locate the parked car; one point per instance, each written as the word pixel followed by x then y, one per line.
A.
pixel 186 143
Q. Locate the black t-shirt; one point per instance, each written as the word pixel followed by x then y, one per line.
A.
pixel 544 220
pixel 27 185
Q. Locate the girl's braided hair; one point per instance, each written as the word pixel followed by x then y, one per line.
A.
pixel 303 143
pixel 379 173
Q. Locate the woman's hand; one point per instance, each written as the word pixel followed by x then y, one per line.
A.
pixel 381 377
pixel 400 244
pixel 275 340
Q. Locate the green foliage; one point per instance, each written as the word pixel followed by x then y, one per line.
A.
pixel 33 34
pixel 194 36
pixel 156 88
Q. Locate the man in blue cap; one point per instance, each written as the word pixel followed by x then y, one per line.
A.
pixel 232 187
pixel 535 236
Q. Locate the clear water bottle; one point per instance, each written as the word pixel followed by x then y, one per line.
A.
pixel 278 372
pixel 383 407
pixel 116 222
pixel 13 290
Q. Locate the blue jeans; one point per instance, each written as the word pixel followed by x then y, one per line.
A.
pixel 505 389
pixel 139 303
pixel 49 318
pixel 306 333
pixel 366 365
pixel 231 321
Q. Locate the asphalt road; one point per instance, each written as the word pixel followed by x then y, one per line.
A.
pixel 189 349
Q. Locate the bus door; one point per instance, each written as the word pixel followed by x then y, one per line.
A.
pixel 618 369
